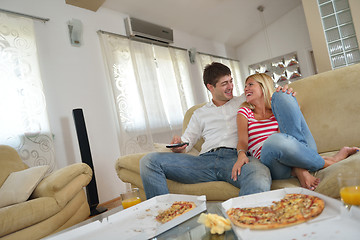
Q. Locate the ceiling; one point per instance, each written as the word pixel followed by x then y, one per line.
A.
pixel 227 21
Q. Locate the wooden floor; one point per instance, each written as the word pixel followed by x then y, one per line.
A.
pixel 110 204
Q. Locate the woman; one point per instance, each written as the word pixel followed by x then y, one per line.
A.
pixel 272 128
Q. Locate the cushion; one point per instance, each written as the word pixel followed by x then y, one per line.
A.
pixel 10 161
pixel 339 127
pixel 19 185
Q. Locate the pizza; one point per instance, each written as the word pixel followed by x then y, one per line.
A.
pixel 176 209
pixel 292 209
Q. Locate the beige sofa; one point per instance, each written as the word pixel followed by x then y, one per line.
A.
pixel 58 201
pixel 330 102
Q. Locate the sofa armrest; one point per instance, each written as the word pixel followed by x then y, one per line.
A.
pixel 130 162
pixel 64 183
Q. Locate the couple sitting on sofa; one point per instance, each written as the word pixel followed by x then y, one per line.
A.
pixel 226 157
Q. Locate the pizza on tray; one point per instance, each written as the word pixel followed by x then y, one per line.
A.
pixel 176 209
pixel 292 209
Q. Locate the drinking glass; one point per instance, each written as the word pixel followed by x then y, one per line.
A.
pixel 349 184
pixel 130 198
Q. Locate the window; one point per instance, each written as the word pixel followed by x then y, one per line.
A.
pixel 23 120
pixel 152 90
pixel 339 32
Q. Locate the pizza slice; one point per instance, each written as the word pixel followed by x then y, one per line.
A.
pixel 176 209
pixel 310 206
pixel 253 218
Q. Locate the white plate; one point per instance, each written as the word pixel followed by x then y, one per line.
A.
pixel 335 222
pixel 137 222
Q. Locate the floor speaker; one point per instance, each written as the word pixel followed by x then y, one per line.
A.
pixel 91 188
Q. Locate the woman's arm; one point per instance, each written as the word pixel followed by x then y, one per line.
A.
pixel 242 146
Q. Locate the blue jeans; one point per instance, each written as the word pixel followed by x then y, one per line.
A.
pixel 156 167
pixel 294 146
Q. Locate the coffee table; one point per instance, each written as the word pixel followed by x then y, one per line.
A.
pixel 190 229
pixel 335 222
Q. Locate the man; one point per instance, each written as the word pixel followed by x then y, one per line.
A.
pixel 216 123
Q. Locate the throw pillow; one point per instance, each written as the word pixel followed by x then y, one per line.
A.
pixel 161 147
pixel 19 185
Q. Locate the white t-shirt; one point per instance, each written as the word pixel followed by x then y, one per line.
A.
pixel 217 125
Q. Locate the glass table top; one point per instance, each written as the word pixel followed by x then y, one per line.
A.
pixel 191 229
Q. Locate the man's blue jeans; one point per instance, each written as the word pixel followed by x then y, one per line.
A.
pixel 155 168
pixel 294 146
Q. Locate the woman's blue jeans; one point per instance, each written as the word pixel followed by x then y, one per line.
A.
pixel 294 146
pixel 156 167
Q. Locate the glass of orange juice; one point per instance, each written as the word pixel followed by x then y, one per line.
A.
pixel 130 198
pixel 349 184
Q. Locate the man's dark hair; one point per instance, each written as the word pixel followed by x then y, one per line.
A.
pixel 213 72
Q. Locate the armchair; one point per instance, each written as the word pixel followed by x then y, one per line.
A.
pixel 58 201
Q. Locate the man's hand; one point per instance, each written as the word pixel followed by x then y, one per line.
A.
pixel 237 167
pixel 177 139
pixel 286 89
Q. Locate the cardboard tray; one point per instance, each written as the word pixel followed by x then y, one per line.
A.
pixel 335 222
pixel 137 222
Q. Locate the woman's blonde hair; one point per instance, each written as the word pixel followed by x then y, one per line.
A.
pixel 267 86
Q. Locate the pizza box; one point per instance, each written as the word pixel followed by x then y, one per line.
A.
pixel 335 222
pixel 137 222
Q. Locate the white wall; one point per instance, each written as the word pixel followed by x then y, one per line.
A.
pixel 76 78
pixel 286 35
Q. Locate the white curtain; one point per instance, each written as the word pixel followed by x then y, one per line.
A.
pixel 151 88
pixel 23 119
pixel 203 59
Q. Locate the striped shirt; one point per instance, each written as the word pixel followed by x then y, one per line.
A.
pixel 258 130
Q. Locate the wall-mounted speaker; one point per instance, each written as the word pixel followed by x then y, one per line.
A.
pixel 91 188
pixel 75 32
pixel 192 55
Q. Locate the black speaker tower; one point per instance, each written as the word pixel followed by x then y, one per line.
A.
pixel 91 189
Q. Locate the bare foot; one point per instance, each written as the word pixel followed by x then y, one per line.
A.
pixel 341 155
pixel 305 178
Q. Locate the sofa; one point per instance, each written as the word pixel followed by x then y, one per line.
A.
pixel 330 103
pixel 57 200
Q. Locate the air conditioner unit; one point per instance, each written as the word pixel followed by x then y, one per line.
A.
pixel 149 32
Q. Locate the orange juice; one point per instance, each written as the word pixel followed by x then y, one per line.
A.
pixel 130 202
pixel 350 195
